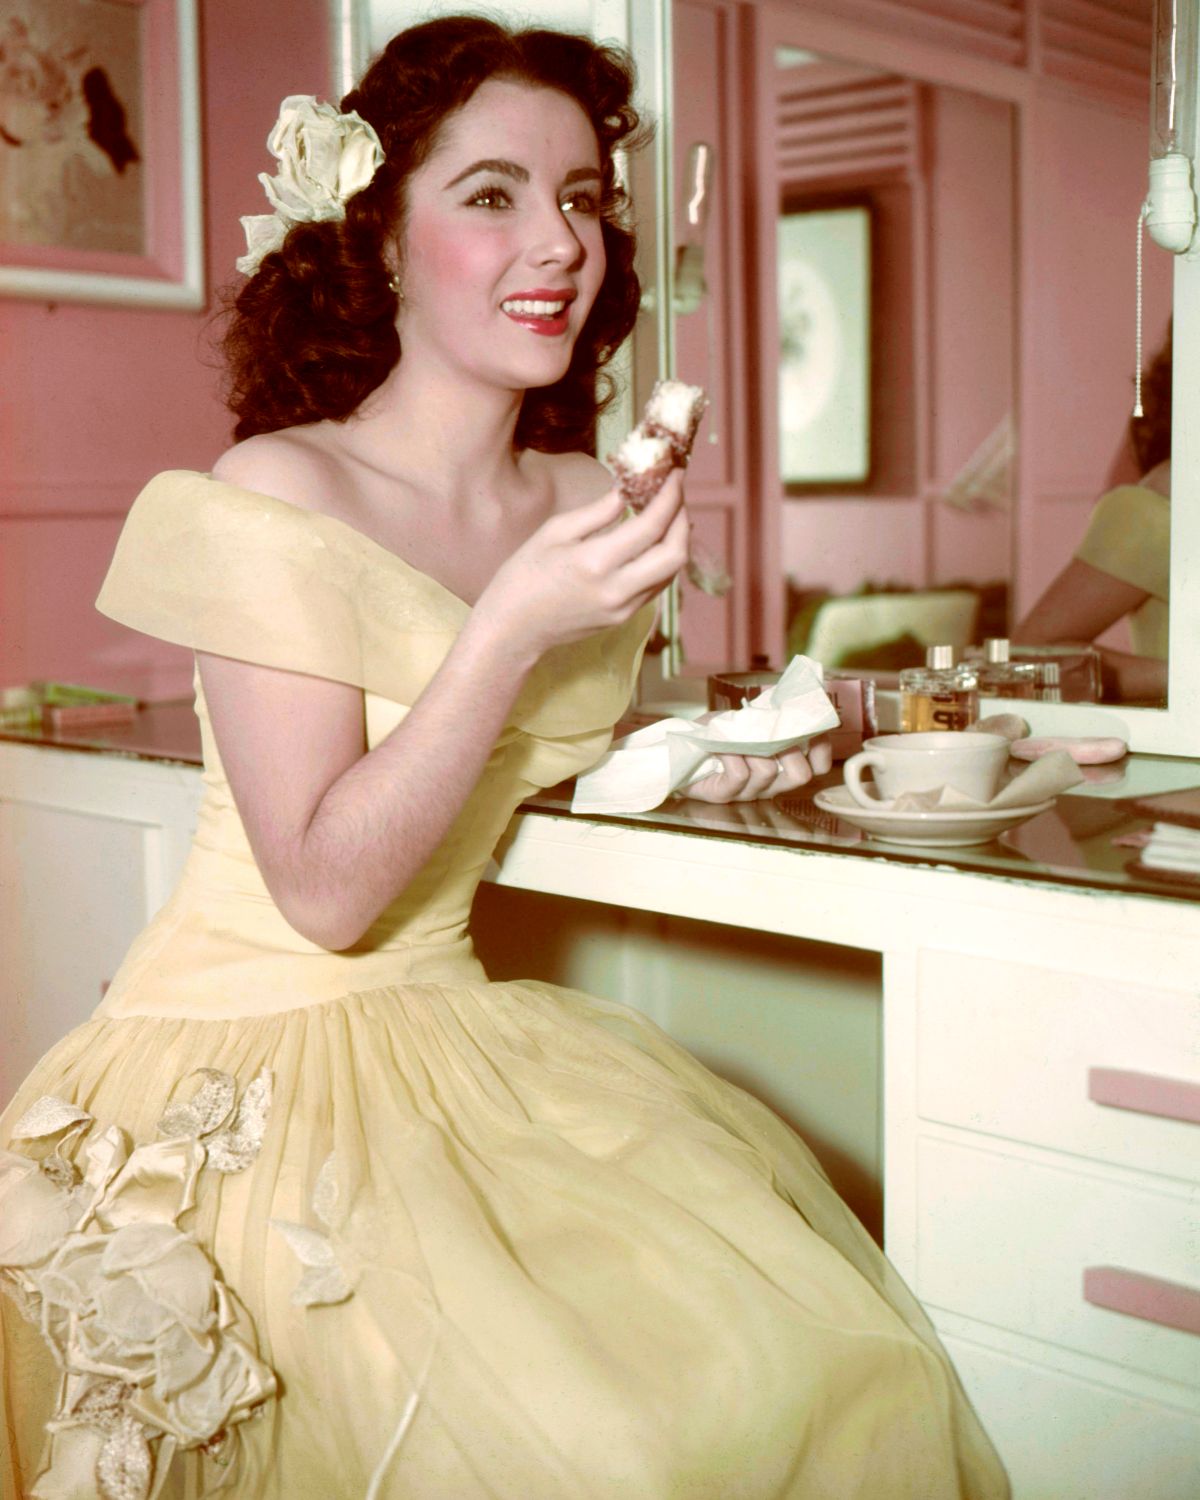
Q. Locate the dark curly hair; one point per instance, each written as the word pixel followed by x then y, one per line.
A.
pixel 1150 434
pixel 313 331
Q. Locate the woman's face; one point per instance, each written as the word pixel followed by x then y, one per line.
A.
pixel 502 250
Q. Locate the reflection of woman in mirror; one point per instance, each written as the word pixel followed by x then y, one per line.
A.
pixel 1121 568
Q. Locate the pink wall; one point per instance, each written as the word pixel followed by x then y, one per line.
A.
pixel 958 291
pixel 973 308
pixel 98 399
pixel 1087 183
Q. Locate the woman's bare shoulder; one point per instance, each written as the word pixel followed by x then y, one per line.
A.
pixel 287 465
pixel 1158 479
pixel 577 478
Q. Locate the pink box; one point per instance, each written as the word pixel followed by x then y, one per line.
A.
pixel 854 699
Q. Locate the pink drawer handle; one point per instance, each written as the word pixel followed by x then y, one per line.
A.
pixel 1148 1093
pixel 1146 1297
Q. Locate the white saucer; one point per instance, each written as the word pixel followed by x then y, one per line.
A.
pixel 946 828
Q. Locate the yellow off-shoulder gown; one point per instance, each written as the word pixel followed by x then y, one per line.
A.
pixel 1129 537
pixel 497 1240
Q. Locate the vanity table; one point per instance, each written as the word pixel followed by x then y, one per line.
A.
pixel 1025 989
pixel 995 1050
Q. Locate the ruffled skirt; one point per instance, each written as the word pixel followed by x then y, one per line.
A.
pixel 493 1240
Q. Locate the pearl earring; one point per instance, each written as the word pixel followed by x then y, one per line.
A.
pixel 394 285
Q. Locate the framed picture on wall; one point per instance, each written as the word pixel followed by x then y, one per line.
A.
pixel 824 260
pixel 100 193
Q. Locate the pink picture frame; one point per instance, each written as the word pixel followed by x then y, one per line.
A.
pixel 100 160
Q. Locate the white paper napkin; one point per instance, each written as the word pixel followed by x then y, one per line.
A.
pixel 646 767
pixel 1173 847
pixel 1038 782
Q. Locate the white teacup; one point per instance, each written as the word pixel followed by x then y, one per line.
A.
pixel 971 763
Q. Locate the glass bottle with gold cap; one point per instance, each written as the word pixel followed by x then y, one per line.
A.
pixel 938 695
pixel 1000 677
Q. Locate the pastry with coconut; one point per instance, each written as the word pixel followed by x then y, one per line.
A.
pixel 674 411
pixel 661 441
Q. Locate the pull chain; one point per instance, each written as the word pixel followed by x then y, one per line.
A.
pixel 1143 214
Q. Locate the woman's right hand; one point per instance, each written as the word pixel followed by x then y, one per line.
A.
pixel 580 572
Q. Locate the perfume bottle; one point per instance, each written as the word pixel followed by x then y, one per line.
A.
pixel 1050 683
pixel 999 677
pixel 938 695
pixel 1066 673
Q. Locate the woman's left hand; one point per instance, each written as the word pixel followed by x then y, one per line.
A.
pixel 745 778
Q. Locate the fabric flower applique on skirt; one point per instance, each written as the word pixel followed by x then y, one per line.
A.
pixel 329 1270
pixel 156 1353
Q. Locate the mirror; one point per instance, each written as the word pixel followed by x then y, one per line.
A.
pixel 919 327
pixel 896 390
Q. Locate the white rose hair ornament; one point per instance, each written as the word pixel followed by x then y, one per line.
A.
pixel 324 157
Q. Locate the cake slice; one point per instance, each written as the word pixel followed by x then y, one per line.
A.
pixel 661 441
pixel 674 411
pixel 642 463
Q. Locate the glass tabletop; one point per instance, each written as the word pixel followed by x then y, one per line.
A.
pixel 1076 842
pixel 168 730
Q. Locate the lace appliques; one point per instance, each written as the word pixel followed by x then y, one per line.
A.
pixel 231 1128
pixel 125 1466
pixel 326 1279
pixel 208 1108
pixel 156 1352
pixel 235 1148
pixel 333 1259
pixel 49 1115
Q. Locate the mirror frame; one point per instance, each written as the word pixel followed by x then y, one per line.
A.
pixel 644 26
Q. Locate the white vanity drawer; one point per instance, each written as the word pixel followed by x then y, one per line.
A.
pixel 1062 1438
pixel 1016 1051
pixel 1009 1242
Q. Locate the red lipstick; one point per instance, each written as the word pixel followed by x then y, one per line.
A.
pixel 548 324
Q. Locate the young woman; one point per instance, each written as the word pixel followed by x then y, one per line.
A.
pixel 311 1208
pixel 1122 566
